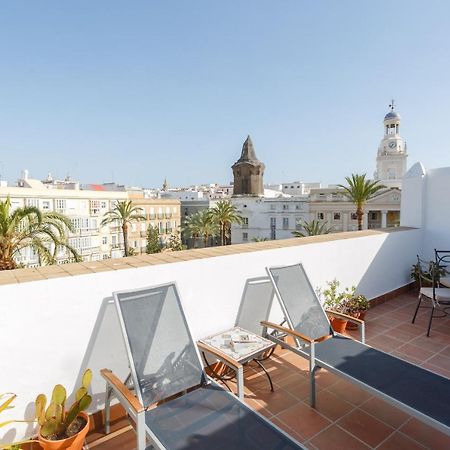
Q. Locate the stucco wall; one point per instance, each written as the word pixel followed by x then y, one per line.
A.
pixel 53 329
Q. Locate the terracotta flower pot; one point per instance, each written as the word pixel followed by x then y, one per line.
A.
pixel 338 324
pixel 355 326
pixel 72 443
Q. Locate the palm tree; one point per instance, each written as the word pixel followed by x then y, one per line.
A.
pixel 224 213
pixel 313 228
pixel 359 191
pixel 28 227
pixel 207 226
pixel 191 227
pixel 259 239
pixel 124 213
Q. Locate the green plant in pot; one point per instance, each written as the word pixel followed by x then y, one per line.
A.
pixel 357 307
pixel 60 428
pixel 336 300
pixel 427 273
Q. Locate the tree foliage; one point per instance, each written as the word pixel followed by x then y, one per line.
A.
pixel 359 191
pixel 28 227
pixel 153 241
pixel 313 228
pixel 224 214
pixel 174 242
pixel 123 213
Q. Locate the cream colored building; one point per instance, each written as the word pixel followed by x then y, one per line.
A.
pixel 330 206
pixel 86 209
pixel 383 211
pixel 163 214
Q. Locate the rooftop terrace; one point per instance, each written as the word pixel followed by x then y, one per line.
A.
pixel 57 321
pixel 346 417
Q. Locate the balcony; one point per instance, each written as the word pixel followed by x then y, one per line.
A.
pixel 377 262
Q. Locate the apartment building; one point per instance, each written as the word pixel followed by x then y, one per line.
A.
pixel 163 214
pixel 85 207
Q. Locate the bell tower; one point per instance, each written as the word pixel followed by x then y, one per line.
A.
pixel 248 172
pixel 392 152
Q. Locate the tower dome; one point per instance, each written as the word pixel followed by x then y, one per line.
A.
pixel 392 115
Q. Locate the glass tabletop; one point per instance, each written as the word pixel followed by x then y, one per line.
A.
pixel 238 343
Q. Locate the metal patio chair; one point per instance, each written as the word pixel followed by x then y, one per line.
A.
pixel 442 258
pixel 438 296
pixel 171 401
pixel 417 391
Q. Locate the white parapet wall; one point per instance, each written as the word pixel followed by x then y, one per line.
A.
pixel 426 205
pixel 51 330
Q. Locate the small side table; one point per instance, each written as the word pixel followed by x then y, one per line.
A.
pixel 238 346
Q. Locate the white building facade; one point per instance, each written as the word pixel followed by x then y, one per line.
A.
pixel 274 216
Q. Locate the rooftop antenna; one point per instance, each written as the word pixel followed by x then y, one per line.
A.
pixel 392 105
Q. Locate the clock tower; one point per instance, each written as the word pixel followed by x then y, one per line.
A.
pixel 392 154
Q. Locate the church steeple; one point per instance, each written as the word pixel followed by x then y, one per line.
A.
pixel 248 151
pixel 248 172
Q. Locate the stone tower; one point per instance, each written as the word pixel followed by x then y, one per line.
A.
pixel 392 154
pixel 248 172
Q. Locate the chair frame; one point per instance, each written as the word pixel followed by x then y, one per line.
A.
pixel 133 403
pixel 314 364
pixel 435 303
pixel 301 340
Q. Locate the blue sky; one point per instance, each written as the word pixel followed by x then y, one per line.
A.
pixel 138 90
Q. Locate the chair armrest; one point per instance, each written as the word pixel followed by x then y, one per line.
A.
pixel 220 355
pixel 122 391
pixel 294 333
pixel 343 316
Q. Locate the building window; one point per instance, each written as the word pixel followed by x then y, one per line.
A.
pixel 46 205
pixel 354 216
pixel 104 240
pixel 273 222
pixel 273 206
pixel 336 216
pixel 320 216
pixel 373 216
pixel 285 207
pixel 298 223
pixel 285 223
pixel 103 205
pixel 34 202
pixel 60 203
pixel 245 222
pixel 298 206
pixel 245 237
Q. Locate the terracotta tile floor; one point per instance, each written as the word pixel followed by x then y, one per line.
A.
pixel 347 417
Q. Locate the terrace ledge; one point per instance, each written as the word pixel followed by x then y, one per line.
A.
pixel 83 268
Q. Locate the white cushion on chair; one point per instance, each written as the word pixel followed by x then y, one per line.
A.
pixel 441 293
pixel 445 281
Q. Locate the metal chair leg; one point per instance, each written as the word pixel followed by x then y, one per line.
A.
pixel 267 373
pixel 417 308
pixel 431 318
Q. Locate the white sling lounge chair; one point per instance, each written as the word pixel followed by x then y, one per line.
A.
pixel 417 391
pixel 173 404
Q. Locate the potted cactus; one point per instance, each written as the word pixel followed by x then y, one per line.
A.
pixel 60 428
